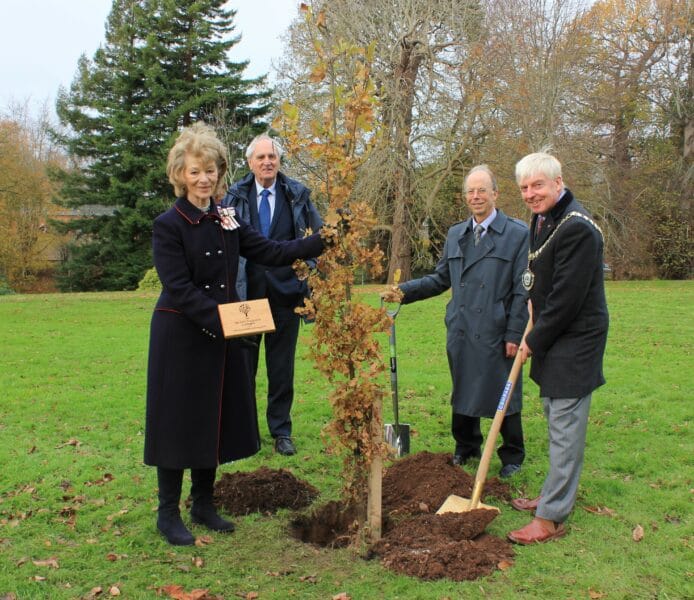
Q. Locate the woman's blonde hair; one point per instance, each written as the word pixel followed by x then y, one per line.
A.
pixel 200 141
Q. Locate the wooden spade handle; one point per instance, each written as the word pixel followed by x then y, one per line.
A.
pixel 490 444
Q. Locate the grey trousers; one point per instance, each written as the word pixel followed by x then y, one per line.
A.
pixel 567 421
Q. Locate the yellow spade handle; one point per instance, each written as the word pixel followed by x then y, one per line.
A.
pixel 490 444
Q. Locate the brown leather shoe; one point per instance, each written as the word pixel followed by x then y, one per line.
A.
pixel 538 531
pixel 526 503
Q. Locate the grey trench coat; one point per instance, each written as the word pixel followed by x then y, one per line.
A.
pixel 488 308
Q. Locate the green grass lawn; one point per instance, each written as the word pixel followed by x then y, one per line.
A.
pixel 77 506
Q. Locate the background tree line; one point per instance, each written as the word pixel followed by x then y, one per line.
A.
pixel 608 85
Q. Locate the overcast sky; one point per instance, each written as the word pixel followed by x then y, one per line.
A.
pixel 42 40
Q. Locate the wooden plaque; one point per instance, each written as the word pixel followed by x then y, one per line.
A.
pixel 249 317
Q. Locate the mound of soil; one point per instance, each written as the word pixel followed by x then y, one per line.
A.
pixel 264 490
pixel 450 545
pixel 416 541
pixel 419 483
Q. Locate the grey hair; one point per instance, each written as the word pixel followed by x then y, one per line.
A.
pixel 482 169
pixel 259 138
pixel 536 164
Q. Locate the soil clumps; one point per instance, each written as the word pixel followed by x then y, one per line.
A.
pixel 416 541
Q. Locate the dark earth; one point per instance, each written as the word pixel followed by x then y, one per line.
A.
pixel 416 541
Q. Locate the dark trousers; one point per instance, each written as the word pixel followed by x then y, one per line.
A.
pixel 468 438
pixel 280 352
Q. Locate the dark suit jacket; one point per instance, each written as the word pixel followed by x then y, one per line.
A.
pixel 569 307
pixel 294 214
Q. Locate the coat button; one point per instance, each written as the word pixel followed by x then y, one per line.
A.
pixel 222 286
pixel 220 252
pixel 479 310
pixel 477 336
pixel 207 287
pixel 208 253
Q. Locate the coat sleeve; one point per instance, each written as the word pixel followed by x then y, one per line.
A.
pixel 259 249
pixel 430 285
pixel 177 279
pixel 313 221
pixel 578 250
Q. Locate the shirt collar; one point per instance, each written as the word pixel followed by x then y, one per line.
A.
pixel 486 223
pixel 259 188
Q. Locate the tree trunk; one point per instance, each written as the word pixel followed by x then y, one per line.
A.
pixel 401 235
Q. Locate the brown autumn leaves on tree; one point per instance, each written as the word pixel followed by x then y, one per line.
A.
pixel 343 345
pixel 25 195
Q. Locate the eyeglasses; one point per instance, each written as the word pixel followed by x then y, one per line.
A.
pixel 481 191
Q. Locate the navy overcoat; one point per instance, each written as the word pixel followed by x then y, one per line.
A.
pixel 201 408
pixel 569 306
pixel 487 309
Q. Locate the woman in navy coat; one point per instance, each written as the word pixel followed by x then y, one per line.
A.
pixel 201 408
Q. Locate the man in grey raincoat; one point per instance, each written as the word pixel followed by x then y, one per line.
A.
pixel 483 260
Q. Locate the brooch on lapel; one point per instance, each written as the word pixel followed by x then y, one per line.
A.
pixel 227 215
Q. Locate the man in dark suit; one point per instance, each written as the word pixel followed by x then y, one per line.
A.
pixel 281 209
pixel 567 343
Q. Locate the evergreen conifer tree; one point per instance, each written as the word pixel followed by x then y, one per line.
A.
pixel 163 65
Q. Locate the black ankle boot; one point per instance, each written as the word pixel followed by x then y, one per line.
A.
pixel 169 520
pixel 203 511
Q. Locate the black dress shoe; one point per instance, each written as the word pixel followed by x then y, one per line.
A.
pixel 508 470
pixel 458 460
pixel 285 446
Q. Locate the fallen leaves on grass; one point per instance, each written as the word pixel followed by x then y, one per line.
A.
pixel 282 573
pixel 113 557
pixel 101 481
pixel 505 564
pixel 68 516
pixel 71 442
pixel 342 596
pixel 93 593
pixel 248 595
pixel 114 590
pixel 13 520
pixel 51 563
pixel 600 510
pixel 595 595
pixel 178 593
pixel 203 540
pixel 121 512
pixel 637 533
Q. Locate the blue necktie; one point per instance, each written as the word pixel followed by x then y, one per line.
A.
pixel 264 213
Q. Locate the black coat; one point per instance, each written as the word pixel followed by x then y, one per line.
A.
pixel 200 402
pixel 569 307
